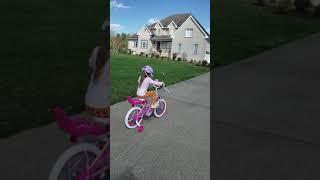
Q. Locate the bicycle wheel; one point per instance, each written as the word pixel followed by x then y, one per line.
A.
pixel 161 109
pixel 129 121
pixel 73 161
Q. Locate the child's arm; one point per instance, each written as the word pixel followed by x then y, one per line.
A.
pixel 157 83
pixel 139 79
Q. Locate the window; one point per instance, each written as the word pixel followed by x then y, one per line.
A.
pixel 144 44
pixel 135 44
pixel 179 47
pixel 188 32
pixel 171 31
pixel 158 31
pixel 195 49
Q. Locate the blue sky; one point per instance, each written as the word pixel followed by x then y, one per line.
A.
pixel 128 16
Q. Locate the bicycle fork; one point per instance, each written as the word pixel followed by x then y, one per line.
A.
pixel 136 118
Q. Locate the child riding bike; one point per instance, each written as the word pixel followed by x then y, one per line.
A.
pixel 97 95
pixel 144 82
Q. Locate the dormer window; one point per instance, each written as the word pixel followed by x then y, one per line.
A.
pixel 171 31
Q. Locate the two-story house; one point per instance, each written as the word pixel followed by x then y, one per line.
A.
pixel 179 34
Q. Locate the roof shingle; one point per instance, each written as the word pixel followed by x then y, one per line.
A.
pixel 178 19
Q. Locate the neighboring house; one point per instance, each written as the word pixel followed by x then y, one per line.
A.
pixel 179 34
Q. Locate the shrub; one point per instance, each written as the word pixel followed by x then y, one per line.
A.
pixel 141 53
pixel 301 5
pixel 191 61
pixel 184 55
pixel 157 55
pixel 204 63
pixel 179 59
pixel 174 56
pixel 162 57
pixel 147 55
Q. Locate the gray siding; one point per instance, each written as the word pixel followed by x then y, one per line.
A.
pixel 144 35
pixel 198 37
pixel 187 42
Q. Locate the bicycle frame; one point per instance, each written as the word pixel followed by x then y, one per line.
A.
pixel 146 107
pixel 76 128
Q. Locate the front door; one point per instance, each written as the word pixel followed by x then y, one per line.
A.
pixel 158 46
pixel 207 57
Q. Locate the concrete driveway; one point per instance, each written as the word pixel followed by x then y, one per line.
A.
pixel 266 114
pixel 176 146
pixel 173 147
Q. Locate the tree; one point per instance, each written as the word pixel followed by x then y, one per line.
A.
pixel 119 42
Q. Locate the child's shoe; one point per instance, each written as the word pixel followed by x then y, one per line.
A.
pixel 155 105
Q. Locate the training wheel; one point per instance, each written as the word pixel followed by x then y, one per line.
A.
pixel 140 128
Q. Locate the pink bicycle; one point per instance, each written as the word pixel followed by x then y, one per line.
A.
pixel 85 160
pixel 142 108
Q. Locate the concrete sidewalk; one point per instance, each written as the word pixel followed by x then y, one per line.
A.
pixel 176 146
pixel 266 114
pixel 31 154
pixel 173 147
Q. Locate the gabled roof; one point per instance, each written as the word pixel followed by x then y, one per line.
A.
pixel 201 27
pixel 178 19
pixel 133 37
pixel 147 27
pixel 174 24
pixel 158 22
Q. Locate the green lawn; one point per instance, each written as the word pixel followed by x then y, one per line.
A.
pixel 125 70
pixel 243 29
pixel 44 52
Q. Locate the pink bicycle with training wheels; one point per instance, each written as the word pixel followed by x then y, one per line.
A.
pixel 87 160
pixel 142 108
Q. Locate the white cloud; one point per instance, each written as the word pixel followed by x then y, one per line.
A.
pixel 152 20
pixel 116 4
pixel 116 27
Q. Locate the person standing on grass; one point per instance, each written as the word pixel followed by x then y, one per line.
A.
pixel 97 95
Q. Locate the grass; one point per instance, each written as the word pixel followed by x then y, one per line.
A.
pixel 243 29
pixel 125 70
pixel 44 52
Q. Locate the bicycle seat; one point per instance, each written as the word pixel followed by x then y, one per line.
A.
pixel 77 126
pixel 135 101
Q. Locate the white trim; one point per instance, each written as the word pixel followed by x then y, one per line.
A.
pixel 206 36
pixel 158 22
pixel 173 24
pixel 144 26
